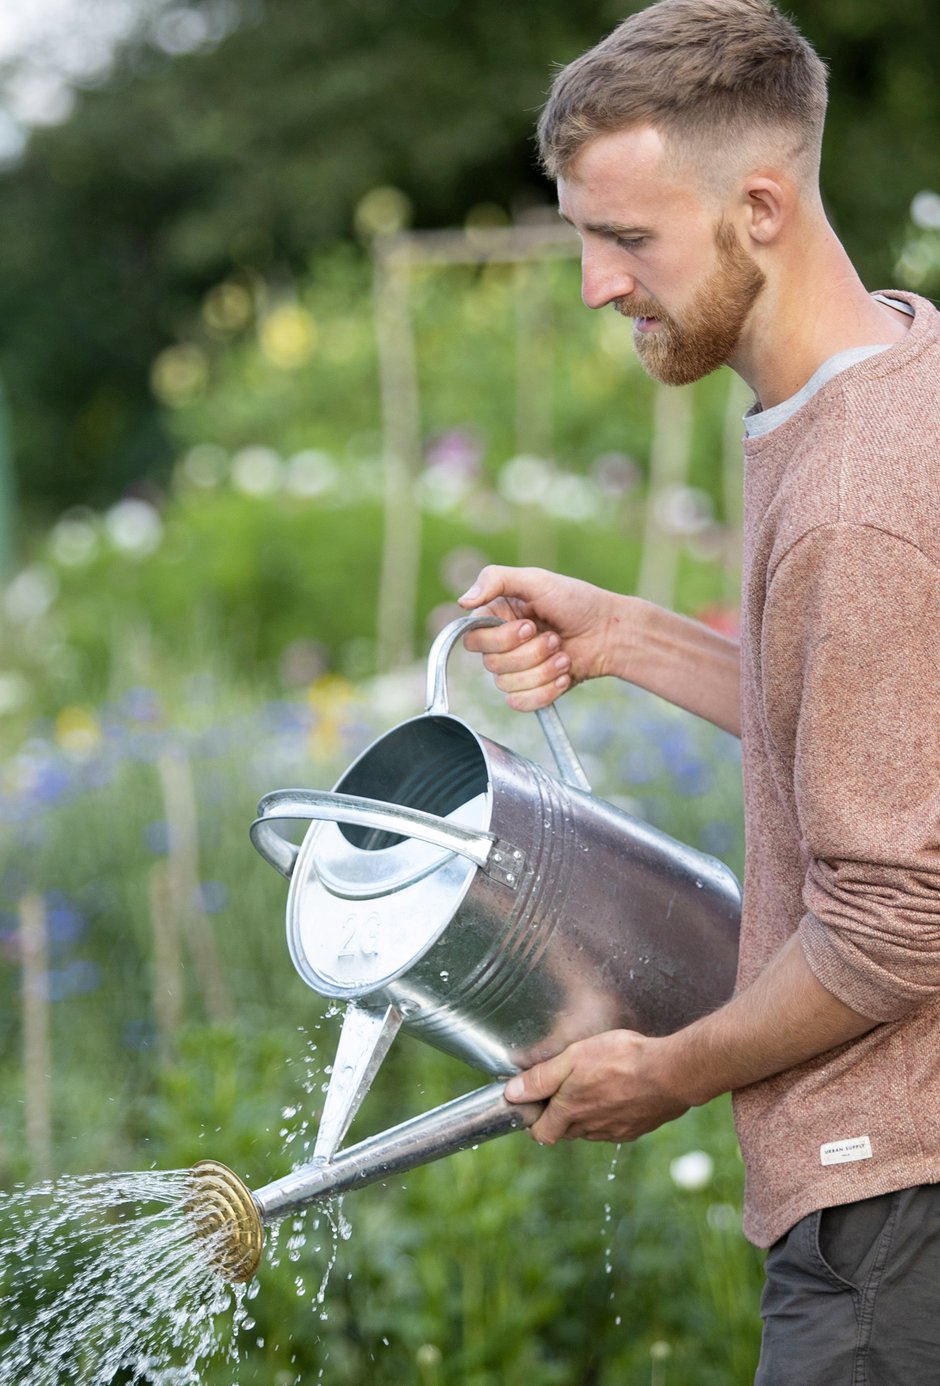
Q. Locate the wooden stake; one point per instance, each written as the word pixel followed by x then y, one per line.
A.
pixel 670 452
pixel 37 1027
pixel 401 459
pixel 182 883
pixel 167 964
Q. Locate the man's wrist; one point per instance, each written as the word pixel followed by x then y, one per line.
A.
pixel 678 1067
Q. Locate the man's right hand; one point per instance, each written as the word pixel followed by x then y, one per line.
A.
pixel 557 632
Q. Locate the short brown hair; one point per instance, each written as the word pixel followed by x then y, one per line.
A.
pixel 699 71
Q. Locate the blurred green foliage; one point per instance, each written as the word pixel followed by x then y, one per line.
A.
pixel 266 548
pixel 508 1264
pixel 246 160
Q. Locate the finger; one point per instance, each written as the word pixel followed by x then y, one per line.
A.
pixel 539 1082
pixel 495 581
pixel 500 639
pixel 527 653
pixel 552 1126
pixel 540 697
pixel 523 678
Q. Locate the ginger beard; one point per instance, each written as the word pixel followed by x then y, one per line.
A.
pixel 680 350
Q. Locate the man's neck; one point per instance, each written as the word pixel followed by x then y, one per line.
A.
pixel 814 307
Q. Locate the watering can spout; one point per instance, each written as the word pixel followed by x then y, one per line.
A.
pixel 229 1220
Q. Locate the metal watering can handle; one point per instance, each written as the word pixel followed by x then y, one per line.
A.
pixel 373 813
pixel 559 743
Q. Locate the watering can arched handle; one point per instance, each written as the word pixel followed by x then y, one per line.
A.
pixel 559 742
pixel 499 860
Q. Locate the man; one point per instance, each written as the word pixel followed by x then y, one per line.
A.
pixel 686 151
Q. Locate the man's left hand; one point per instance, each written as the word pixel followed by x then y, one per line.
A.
pixel 604 1088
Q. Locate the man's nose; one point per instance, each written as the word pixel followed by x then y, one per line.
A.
pixel 603 280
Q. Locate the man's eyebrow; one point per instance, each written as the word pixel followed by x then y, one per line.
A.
pixel 612 230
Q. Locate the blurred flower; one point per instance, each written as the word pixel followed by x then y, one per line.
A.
pixel 303 662
pixel 459 568
pixel 204 465
pixel 37 97
pixel 39 776
pixel 726 619
pixel 182 29
pixel 211 897
pixel 723 1217
pixel 14 692
pixel 74 539
pixel 456 450
pixel 925 211
pixel 440 491
pixel 918 264
pixel 330 698
pixel 288 336
pixel 134 527
pixel 257 471
pixel 311 473
pixel 142 705
pixel 452 469
pixel 574 498
pixel 228 307
pixel 428 1357
pixel 382 211
pixel 524 480
pixel 12 140
pixel 76 978
pixel 717 838
pixel 30 594
pixel 78 732
pixel 179 374
pixel 639 765
pixel 616 474
pixel 693 1170
pixel 682 510
pixel 157 837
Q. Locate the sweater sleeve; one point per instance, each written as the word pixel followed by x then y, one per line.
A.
pixel 851 656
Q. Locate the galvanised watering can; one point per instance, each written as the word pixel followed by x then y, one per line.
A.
pixel 453 889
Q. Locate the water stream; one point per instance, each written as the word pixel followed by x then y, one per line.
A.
pixel 102 1278
pixel 100 1274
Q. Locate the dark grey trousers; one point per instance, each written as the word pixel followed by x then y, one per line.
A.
pixel 852 1296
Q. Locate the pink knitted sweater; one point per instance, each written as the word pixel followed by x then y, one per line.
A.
pixel 841 733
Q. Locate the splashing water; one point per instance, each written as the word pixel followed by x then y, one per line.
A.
pixel 110 1276
pixel 101 1273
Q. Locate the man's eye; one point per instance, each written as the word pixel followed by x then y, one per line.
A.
pixel 631 242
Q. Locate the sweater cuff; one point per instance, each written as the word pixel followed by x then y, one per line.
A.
pixel 852 977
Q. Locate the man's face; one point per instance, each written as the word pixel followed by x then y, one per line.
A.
pixel 660 254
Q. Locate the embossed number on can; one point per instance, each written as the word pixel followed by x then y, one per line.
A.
pixel 361 936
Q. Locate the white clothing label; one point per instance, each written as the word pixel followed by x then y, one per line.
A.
pixel 841 1152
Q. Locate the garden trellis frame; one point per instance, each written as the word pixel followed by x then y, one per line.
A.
pixel 523 246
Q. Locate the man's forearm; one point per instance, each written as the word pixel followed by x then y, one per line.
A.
pixel 679 659
pixel 784 1018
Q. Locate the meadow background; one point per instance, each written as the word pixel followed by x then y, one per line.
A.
pixel 291 345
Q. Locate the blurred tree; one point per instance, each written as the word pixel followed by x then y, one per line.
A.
pixel 181 172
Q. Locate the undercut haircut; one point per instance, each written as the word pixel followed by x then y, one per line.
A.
pixel 711 76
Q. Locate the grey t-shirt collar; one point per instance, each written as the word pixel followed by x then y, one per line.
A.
pixel 758 422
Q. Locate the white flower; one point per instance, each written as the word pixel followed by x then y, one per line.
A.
pixel 693 1170
pixel 134 527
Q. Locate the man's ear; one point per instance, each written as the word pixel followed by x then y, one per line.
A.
pixel 767 203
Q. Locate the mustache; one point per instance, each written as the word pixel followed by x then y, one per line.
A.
pixel 639 308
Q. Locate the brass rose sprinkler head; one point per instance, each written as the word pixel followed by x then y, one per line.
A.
pixel 226 1220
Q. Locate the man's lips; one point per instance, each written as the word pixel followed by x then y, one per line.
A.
pixel 645 324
